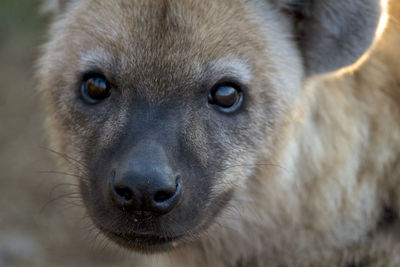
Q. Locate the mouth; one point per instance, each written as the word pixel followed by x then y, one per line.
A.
pixel 144 242
pixel 151 235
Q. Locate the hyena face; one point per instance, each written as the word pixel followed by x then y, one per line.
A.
pixel 169 106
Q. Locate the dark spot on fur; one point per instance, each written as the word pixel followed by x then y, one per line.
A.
pixel 388 217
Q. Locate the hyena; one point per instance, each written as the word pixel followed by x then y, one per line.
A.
pixel 227 132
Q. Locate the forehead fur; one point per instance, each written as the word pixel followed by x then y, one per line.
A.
pixel 132 40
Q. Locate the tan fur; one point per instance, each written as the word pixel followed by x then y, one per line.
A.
pixel 343 146
pixel 340 167
pixel 325 173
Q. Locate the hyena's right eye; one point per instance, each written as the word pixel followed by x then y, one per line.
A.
pixel 95 88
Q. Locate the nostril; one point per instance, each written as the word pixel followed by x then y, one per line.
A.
pixel 124 192
pixel 166 195
pixel 162 196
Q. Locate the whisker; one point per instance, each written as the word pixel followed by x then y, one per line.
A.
pixel 78 164
pixel 253 165
pixel 65 174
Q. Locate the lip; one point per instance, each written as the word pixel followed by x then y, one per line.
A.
pixel 143 241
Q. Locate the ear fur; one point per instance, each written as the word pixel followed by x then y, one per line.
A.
pixel 332 33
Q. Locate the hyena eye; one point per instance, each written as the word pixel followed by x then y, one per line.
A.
pixel 226 96
pixel 95 88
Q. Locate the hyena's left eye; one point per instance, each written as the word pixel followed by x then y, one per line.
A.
pixel 226 96
pixel 95 88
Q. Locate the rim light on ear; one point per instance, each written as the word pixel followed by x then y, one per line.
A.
pixel 384 19
pixel 382 25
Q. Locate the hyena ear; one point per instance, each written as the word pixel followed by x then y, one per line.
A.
pixel 332 33
pixel 55 6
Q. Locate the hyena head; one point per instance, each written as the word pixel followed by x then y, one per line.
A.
pixel 165 108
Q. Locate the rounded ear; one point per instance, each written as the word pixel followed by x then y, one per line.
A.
pixel 332 33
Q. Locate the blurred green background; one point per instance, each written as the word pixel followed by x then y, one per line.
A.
pixel 40 221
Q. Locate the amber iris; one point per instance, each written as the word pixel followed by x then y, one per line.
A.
pixel 95 89
pixel 224 96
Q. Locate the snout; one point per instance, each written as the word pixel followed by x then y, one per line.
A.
pixel 150 197
pixel 145 181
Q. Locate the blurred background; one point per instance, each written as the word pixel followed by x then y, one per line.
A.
pixel 41 222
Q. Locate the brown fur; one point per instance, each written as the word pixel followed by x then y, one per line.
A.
pixel 323 189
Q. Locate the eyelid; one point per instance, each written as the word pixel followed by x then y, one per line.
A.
pixel 230 81
pixel 233 66
pixel 92 73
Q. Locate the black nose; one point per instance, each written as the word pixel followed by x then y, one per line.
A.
pixel 146 195
pixel 144 181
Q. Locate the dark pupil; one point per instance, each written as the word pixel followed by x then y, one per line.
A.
pixel 97 88
pixel 225 96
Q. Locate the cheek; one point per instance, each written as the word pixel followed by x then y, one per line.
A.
pixel 249 146
pixel 114 126
pixel 194 136
pixel 237 169
pixel 239 148
pixel 81 124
